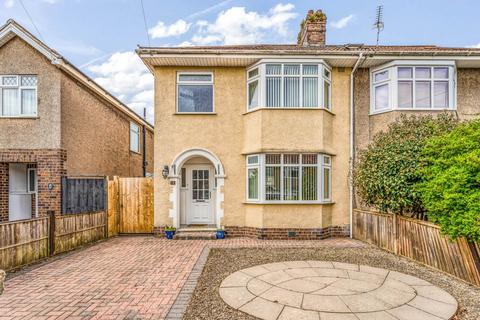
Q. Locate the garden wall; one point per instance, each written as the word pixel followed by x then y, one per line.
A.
pixel 420 241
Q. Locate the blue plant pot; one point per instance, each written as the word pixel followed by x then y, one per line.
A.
pixel 220 234
pixel 169 234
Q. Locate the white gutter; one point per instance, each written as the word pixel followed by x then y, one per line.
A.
pixel 352 147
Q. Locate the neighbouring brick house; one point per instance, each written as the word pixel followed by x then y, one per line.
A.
pixel 55 121
pixel 261 139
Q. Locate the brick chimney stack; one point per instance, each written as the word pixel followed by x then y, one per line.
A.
pixel 313 29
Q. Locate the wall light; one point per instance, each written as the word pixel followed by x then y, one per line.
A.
pixel 165 172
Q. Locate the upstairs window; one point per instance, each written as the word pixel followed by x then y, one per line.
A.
pixel 134 137
pixel 289 85
pixel 18 96
pixel 413 87
pixel 194 92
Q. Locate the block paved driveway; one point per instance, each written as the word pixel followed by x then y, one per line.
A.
pixel 121 278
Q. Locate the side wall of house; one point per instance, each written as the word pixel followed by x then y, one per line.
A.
pixel 97 136
pixel 42 132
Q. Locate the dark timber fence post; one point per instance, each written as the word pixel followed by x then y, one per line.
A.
pixel 64 195
pixel 51 233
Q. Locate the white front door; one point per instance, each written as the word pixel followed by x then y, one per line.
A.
pixel 200 207
pixel 19 197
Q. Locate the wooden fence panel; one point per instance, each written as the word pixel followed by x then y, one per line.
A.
pixel 417 240
pixel 23 242
pixel 72 231
pixel 113 211
pixel 81 195
pixel 136 205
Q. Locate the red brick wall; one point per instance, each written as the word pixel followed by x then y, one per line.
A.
pixel 50 169
pixel 283 233
pixel 3 191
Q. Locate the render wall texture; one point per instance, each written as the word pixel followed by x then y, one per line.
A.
pixel 230 133
pixel 42 132
pixel 98 135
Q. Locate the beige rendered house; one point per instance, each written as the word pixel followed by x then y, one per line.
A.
pixel 57 122
pixel 259 139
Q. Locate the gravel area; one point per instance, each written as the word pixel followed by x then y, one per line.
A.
pixel 207 304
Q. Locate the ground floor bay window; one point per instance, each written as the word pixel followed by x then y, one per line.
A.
pixel 289 178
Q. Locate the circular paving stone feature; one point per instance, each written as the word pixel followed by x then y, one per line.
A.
pixel 325 289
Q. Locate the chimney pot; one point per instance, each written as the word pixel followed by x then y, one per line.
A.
pixel 313 29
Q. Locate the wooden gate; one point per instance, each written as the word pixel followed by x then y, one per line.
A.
pixel 130 205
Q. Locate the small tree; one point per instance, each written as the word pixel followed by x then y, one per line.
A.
pixel 386 171
pixel 450 185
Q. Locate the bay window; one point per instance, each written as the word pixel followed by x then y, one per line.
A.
pixel 413 86
pixel 289 178
pixel 272 84
pixel 18 95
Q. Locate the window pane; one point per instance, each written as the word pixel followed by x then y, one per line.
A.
pixel 440 91
pixel 195 77
pixel 273 69
pixel 134 140
pixel 380 76
pixel 272 183
pixel 29 102
pixel 10 105
pixel 423 73
pixel 253 183
pixel 195 98
pixel 326 73
pixel 10 81
pixel 252 73
pixel 31 181
pixel 309 183
pixel 29 81
pixel 272 158
pixel 309 158
pixel 291 159
pixel 326 95
pixel 273 91
pixel 422 94
pixel 405 94
pixel 184 177
pixel 405 73
pixel 381 97
pixel 291 69
pixel 252 160
pixel 310 70
pixel 326 184
pixel 290 183
pixel 326 160
pixel 292 92
pixel 310 92
pixel 253 94
pixel 440 73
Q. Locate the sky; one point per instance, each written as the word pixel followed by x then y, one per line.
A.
pixel 100 36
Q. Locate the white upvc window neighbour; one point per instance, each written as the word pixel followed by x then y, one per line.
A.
pixel 18 96
pixel 195 92
pixel 417 85
pixel 293 84
pixel 134 137
pixel 289 178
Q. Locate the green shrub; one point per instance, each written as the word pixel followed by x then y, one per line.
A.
pixel 386 170
pixel 450 186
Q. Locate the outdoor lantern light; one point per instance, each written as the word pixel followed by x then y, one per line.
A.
pixel 165 172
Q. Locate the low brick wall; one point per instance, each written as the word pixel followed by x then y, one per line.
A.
pixel 280 233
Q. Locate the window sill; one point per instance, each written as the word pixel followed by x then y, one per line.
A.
pixel 290 202
pixel 303 109
pixel 20 117
pixel 373 113
pixel 194 113
pixel 135 152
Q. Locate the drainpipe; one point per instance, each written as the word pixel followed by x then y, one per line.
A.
pixel 352 141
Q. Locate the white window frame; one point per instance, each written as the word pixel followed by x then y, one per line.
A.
pixel 393 80
pixel 137 133
pixel 261 166
pixel 19 88
pixel 212 83
pixel 253 166
pixel 262 84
